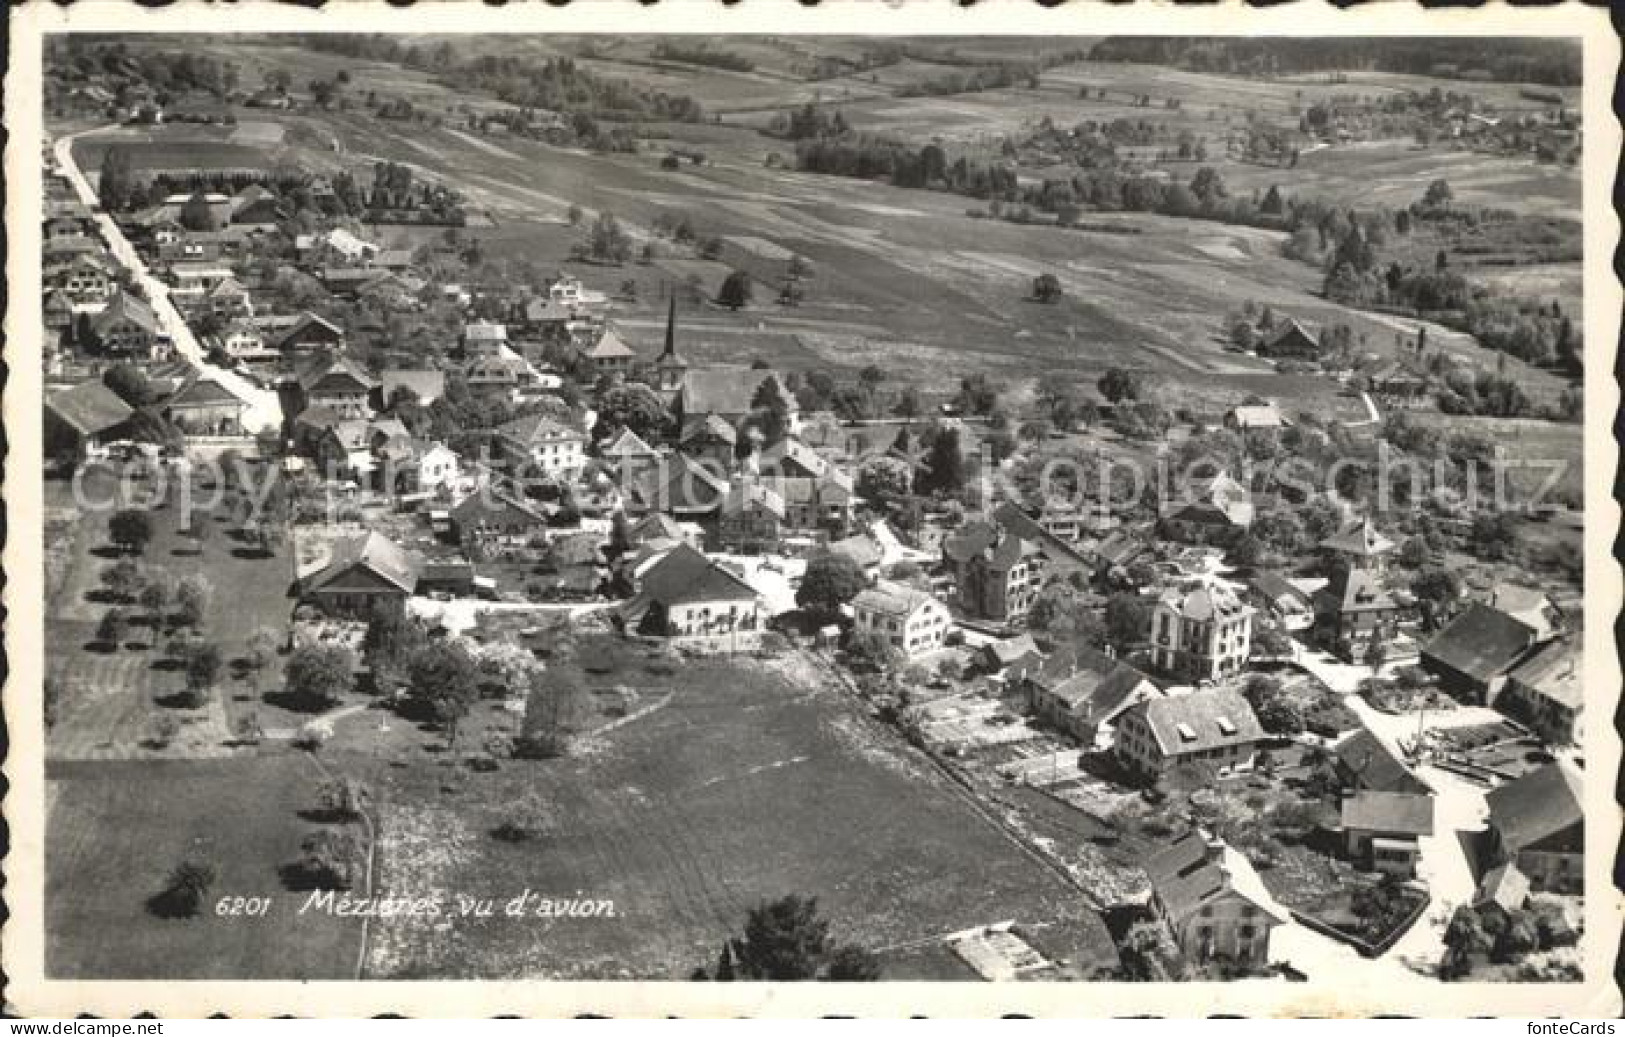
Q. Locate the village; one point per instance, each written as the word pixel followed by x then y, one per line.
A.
pixel 1248 730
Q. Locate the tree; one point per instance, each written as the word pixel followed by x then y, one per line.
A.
pixel 1128 619
pixel 110 630
pixel 342 799
pixel 444 678
pixel 944 465
pixel 1047 288
pixel 787 940
pixel 1438 195
pixel 329 859
pixel 574 215
pixel 129 384
pixel 318 675
pixel 633 406
pixel 607 241
pixel 197 215
pixel 124 580
pixel 202 667
pixel 883 479
pixel 155 598
pixel 391 636
pixel 184 890
pixel 51 695
pixel 130 529
pixel 554 703
pixel 831 580
pixel 1376 651
pixel 735 291
pixel 1465 938
pixel 192 600
pixel 873 649
pixel 116 184
pixel 1118 384
pixel 262 647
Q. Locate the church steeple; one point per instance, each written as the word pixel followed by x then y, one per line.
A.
pixel 670 352
pixel 671 367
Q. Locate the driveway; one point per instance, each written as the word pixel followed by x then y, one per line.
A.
pixel 264 409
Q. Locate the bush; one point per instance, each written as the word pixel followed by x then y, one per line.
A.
pixel 509 832
pixel 330 859
pixel 183 891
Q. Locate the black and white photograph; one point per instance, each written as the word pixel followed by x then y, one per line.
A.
pixel 1068 507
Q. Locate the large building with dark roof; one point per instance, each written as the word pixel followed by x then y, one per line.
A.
pixel 1537 822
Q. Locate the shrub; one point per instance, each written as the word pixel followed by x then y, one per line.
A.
pixel 330 859
pixel 509 832
pixel 184 890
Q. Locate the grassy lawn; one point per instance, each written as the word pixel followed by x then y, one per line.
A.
pixel 112 694
pixel 116 829
pixel 745 781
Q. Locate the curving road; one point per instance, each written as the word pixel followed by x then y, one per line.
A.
pixel 264 409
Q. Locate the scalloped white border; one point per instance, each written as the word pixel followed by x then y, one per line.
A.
pixel 21 940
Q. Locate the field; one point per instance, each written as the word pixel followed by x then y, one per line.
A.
pixel 745 781
pixel 115 831
pixel 112 697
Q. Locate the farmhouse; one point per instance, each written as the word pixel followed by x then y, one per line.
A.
pixel 1289 341
pixel 627 454
pixel 362 571
pixel 686 595
pixel 910 620
pixel 1214 728
pixel 489 519
pixel 1529 606
pixel 203 406
pixel 86 280
pixel 1213 901
pixel 82 419
pixel 1281 600
pixel 1544 692
pixel 823 503
pixel 752 517
pixel 1381 829
pixel 339 385
pixel 1255 418
pixel 709 439
pixel 1087 704
pixel 1537 823
pixel 1209 510
pixel 127 328
pixel 1364 761
pixel 311 332
pixel 1473 654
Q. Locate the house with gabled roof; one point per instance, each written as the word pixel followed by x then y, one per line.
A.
pixel 361 571
pixel 1473 654
pixel 1537 822
pixel 610 355
pixel 337 383
pixel 83 418
pixel 1214 728
pixel 687 596
pixel 542 445
pixel 309 333
pixel 1213 901
pixel 909 619
pixel 710 439
pixel 489 519
pixel 1088 701
pixel 1210 510
pixel 202 406
pixel 996 573
pixel 1364 761
pixel 627 454
pixel 1262 417
pixel 1381 830
pixel 1353 610
pixel 752 516
pixel 1360 546
pixel 1290 340
pixel 1544 691
pixel 127 327
pixel 679 486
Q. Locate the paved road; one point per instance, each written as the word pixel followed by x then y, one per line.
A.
pixel 264 409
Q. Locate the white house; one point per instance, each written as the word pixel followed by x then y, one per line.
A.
pixel 912 620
